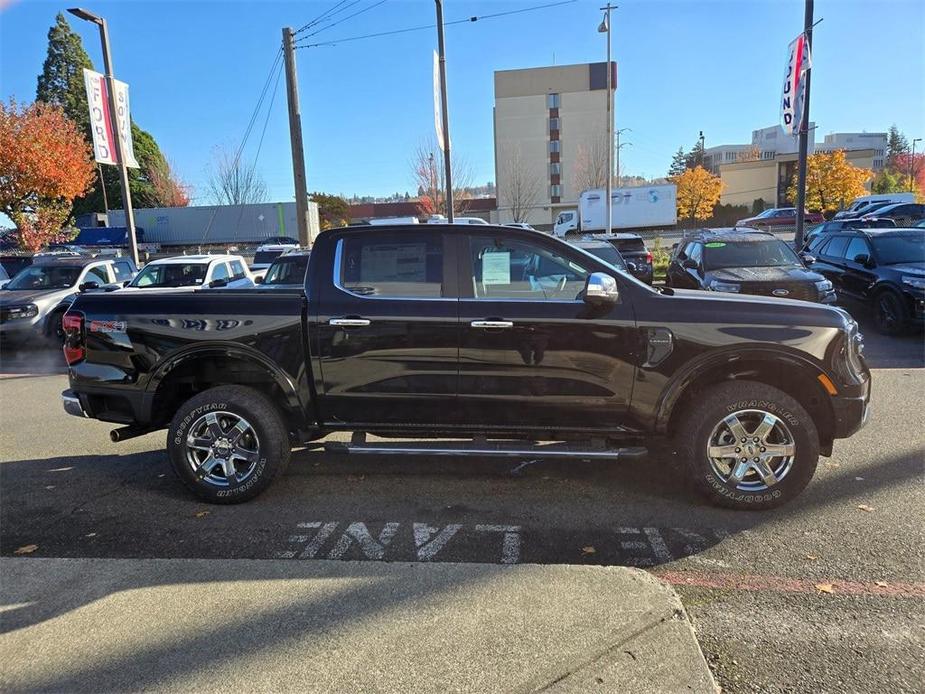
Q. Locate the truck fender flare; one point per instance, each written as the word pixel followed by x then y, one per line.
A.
pixel 679 383
pixel 233 351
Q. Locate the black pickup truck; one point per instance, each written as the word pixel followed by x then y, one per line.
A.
pixel 514 342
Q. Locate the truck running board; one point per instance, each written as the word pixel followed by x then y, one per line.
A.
pixel 503 449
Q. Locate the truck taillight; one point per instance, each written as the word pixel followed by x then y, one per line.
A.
pixel 73 325
pixel 649 257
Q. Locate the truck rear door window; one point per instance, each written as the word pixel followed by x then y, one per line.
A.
pixel 401 265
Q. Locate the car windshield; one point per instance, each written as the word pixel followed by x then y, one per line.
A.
pixel 171 275
pixel 607 253
pixel 766 213
pixel 45 277
pixel 721 254
pixel 900 248
pixel 287 271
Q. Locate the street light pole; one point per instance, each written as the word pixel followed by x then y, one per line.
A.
pixel 441 50
pixel 702 151
pixel 804 132
pixel 88 16
pixel 912 166
pixel 605 27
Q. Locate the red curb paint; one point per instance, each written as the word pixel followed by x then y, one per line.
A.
pixel 782 584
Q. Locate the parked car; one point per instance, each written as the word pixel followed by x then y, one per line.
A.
pixel 278 240
pixel 633 250
pixel 841 224
pixel 883 270
pixel 4 278
pixel 33 302
pixel 868 203
pixel 440 219
pixel 779 217
pixel 193 271
pixel 520 225
pixel 266 254
pixel 14 262
pixel 287 271
pixel 600 249
pixel 905 214
pixel 745 263
pixel 490 333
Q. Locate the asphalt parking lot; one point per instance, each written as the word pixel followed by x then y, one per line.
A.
pixel 825 594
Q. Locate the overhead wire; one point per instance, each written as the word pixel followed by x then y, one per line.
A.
pixel 467 20
pixel 330 12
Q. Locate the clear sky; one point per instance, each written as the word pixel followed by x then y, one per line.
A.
pixel 196 69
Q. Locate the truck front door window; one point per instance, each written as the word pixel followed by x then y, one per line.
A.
pixel 518 270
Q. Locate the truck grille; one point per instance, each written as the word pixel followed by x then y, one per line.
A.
pixel 804 291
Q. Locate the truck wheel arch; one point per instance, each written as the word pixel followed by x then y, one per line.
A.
pixel 215 365
pixel 793 375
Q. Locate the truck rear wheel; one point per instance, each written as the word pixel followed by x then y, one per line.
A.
pixel 227 444
pixel 748 445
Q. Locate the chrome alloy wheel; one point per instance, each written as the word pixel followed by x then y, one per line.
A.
pixel 222 449
pixel 752 450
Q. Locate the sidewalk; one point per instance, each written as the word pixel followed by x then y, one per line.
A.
pixel 235 625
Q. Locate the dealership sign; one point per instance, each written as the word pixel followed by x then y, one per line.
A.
pixel 101 124
pixel 791 105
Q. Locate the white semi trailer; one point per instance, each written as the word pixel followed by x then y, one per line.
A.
pixel 639 207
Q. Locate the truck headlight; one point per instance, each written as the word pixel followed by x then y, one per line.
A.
pixel 26 311
pixel 914 281
pixel 718 286
pixel 823 286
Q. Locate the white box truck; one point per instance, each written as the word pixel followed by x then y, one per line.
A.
pixel 638 207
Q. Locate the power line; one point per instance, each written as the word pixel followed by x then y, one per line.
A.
pixel 344 19
pixel 330 12
pixel 432 26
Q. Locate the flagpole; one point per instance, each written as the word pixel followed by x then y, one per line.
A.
pixel 804 132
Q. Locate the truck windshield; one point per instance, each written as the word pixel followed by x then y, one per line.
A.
pixel 287 271
pixel 608 254
pixel 720 254
pixel 172 275
pixel 45 277
pixel 897 249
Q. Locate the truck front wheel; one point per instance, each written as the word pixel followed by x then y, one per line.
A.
pixel 748 445
pixel 227 444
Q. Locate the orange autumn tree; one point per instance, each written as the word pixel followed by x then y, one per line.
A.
pixel 44 164
pixel 832 181
pixel 698 193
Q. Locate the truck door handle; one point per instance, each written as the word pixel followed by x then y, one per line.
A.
pixel 349 322
pixel 492 324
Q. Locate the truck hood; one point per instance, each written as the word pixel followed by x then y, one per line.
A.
pixel 779 273
pixel 760 310
pixel 16 297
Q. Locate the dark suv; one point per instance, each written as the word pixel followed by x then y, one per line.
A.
pixel 816 232
pixel 633 250
pixel 905 214
pixel 744 262
pixel 882 269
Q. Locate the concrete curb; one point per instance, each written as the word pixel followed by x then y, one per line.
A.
pixel 210 625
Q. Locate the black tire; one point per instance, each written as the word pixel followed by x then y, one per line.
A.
pixel 54 331
pixel 891 315
pixel 265 442
pixel 704 422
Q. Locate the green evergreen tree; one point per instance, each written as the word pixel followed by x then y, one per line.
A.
pixel 62 83
pixel 678 163
pixel 896 144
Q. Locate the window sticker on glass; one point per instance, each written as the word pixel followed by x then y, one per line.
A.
pixel 496 268
pixel 715 244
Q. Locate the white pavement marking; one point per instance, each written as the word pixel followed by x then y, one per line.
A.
pixel 312 548
pixel 428 545
pixel 358 533
pixel 659 548
pixel 510 547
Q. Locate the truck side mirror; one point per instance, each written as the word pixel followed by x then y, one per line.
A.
pixel 808 259
pixel 258 279
pixel 601 290
pixel 863 259
pixel 86 286
pixel 689 264
pixel 218 283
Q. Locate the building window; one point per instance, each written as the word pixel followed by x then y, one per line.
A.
pixel 553 123
pixel 555 191
pixel 555 169
pixel 767 155
pixel 878 163
pixel 552 101
pixel 554 147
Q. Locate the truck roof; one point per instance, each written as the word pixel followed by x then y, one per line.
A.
pixel 180 259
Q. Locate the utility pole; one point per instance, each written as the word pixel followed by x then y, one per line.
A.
pixel 295 139
pixel 804 133
pixel 702 149
pixel 605 27
pixel 619 146
pixel 99 170
pixel 114 124
pixel 912 166
pixel 441 51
